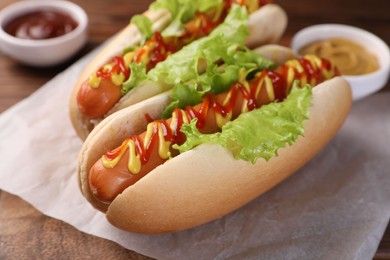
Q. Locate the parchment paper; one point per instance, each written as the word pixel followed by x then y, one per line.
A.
pixel 336 207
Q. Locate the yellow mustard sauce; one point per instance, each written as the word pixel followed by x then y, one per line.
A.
pixel 134 163
pixel 94 81
pixel 108 163
pixel 252 6
pixel 269 86
pixel 128 58
pixel 222 120
pixel 350 57
pixel 175 119
pixel 163 145
pixel 118 79
pixel 147 48
pixel 219 118
pixel 316 72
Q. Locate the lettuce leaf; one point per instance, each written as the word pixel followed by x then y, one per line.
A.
pixel 187 94
pixel 183 65
pixel 217 78
pixel 197 62
pixel 137 75
pixel 196 69
pixel 144 25
pixel 236 20
pixel 182 11
pixel 261 132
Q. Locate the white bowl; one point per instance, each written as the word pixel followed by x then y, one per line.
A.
pixel 44 52
pixel 362 85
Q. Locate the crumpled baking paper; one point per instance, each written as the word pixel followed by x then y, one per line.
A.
pixel 335 207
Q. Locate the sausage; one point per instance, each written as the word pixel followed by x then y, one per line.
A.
pixel 113 173
pixel 94 102
pixel 103 89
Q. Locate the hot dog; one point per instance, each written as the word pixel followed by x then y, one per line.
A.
pixel 144 185
pixel 100 92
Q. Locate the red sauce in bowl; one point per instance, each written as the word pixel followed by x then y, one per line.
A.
pixel 41 24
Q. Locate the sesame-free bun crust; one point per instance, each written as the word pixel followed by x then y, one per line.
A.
pixel 110 133
pixel 206 183
pixel 266 25
pixel 277 53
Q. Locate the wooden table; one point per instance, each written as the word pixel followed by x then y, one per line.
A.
pixel 25 232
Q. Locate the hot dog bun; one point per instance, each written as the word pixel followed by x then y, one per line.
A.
pixel 266 25
pixel 205 183
pixel 122 126
pixel 277 53
pixel 128 36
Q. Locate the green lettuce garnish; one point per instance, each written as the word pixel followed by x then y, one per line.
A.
pixel 184 95
pixel 217 78
pixel 208 65
pixel 236 20
pixel 183 65
pixel 182 68
pixel 144 25
pixel 261 132
pixel 224 45
pixel 137 75
pixel 182 11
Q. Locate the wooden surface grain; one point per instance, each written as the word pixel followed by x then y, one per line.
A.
pixel 25 233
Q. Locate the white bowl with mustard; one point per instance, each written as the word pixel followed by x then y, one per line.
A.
pixel 362 57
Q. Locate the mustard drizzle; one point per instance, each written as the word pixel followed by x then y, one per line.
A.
pixel 118 78
pixel 292 70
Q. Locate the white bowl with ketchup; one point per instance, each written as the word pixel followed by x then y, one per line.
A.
pixel 362 57
pixel 42 32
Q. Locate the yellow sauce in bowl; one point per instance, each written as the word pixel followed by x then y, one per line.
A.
pixel 350 57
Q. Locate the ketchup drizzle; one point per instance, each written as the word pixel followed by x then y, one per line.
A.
pixel 157 48
pixel 118 67
pixel 250 95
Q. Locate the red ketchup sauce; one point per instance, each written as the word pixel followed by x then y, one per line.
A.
pixel 212 113
pixel 251 96
pixel 41 24
pixel 155 50
pixel 118 66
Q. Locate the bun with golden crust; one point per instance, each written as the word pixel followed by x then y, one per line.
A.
pixel 206 182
